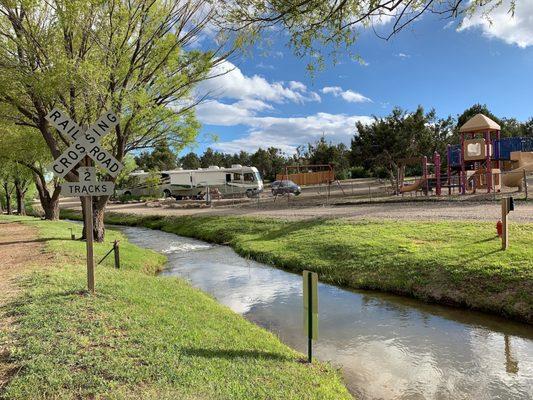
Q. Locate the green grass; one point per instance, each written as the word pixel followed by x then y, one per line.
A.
pixel 141 336
pixel 455 263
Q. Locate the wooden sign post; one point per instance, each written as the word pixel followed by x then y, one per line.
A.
pixel 85 145
pixel 310 298
pixel 507 205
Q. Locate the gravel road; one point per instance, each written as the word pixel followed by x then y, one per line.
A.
pixel 442 210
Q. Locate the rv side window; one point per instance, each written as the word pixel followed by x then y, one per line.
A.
pixel 248 177
pixel 228 177
pixel 237 176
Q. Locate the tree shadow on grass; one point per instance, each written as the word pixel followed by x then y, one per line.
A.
pixel 39 240
pixel 485 240
pixel 232 354
pixel 482 255
pixel 14 308
pixel 286 229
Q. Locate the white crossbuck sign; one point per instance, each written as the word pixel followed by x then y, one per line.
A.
pixel 85 143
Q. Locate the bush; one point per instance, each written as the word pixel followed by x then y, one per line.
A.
pixel 343 174
pixel 359 172
pixel 128 197
pixel 381 173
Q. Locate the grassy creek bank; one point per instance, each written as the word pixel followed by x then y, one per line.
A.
pixel 450 262
pixel 140 336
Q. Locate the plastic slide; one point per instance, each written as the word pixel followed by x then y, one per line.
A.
pixel 515 177
pixel 414 186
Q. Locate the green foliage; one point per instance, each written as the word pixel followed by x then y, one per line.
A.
pixel 358 172
pixel 123 179
pixel 143 337
pixel 153 184
pixel 190 161
pixel 161 158
pixel 322 153
pixel 401 134
pixel 317 28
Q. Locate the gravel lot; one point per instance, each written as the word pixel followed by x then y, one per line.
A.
pixel 442 210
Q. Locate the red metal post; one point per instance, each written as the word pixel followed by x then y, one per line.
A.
pixel 436 161
pixel 488 161
pixel 425 169
pixel 462 183
pixel 449 167
pixel 494 151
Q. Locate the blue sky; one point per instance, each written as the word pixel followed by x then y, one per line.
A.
pixel 268 98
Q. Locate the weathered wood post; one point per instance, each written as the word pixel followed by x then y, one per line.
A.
pixel 117 254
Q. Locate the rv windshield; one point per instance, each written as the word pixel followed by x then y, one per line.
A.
pixel 249 177
pixel 258 176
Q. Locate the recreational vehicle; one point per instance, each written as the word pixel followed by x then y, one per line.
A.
pixel 194 183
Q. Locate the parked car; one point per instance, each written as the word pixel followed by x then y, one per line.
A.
pixel 285 187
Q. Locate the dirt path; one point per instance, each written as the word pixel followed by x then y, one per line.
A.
pixel 19 249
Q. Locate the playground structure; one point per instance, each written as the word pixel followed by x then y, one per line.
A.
pixel 424 182
pixel 481 161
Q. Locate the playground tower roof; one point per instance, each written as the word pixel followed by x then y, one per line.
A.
pixel 479 122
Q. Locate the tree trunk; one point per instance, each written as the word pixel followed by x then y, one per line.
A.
pixel 99 204
pixel 20 190
pixel 98 221
pixel 49 203
pixel 8 198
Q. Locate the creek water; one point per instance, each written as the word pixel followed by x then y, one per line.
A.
pixel 388 347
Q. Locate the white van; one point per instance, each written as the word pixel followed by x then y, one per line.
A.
pixel 193 183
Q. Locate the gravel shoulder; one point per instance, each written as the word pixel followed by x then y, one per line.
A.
pixel 417 210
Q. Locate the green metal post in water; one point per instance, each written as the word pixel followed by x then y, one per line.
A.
pixel 310 303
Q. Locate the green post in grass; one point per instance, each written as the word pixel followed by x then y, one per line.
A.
pixel 310 299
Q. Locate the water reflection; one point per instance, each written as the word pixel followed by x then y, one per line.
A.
pixel 389 347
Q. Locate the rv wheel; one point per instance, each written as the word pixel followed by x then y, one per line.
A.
pixel 166 193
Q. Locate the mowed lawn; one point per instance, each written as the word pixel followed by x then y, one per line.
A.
pixel 456 263
pixel 141 336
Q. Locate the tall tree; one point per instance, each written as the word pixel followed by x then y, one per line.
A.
pixel 323 152
pixel 135 57
pixel 161 158
pixel 212 157
pixel 401 134
pixel 27 148
pixel 190 161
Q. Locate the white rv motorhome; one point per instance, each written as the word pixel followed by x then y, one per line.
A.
pixel 140 184
pixel 193 183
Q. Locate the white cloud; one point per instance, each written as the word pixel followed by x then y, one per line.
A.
pixel 265 66
pixel 282 132
pixel 500 23
pixel 295 85
pixel 335 90
pixel 348 95
pixel 403 55
pixel 238 99
pixel 230 82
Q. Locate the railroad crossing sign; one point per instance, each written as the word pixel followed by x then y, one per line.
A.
pixel 84 143
pixel 87 185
